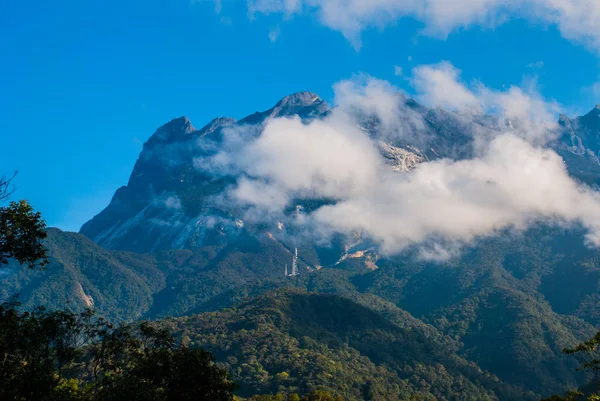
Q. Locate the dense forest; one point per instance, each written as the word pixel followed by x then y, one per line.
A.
pixel 506 306
pixel 266 346
pixel 293 341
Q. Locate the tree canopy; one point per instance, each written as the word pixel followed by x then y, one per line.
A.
pixel 63 356
pixel 22 230
pixel 588 355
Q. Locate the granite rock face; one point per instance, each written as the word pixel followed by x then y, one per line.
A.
pixel 170 203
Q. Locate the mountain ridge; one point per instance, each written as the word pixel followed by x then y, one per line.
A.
pixel 293 325
pixel 166 187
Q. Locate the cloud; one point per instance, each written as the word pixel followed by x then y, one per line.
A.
pixel 274 34
pixel 511 185
pixel 368 96
pixel 439 85
pixel 577 20
pixel 173 202
pixel 536 65
pixel 334 161
pixel 287 7
pixel 512 181
pixel 595 89
pixel 397 71
pixel 218 6
pixel 524 110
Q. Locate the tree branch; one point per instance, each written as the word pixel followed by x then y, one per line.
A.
pixel 6 186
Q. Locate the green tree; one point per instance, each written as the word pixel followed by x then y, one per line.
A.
pixel 588 354
pixel 269 397
pixel 63 356
pixel 158 369
pixel 36 349
pixel 22 230
pixel 320 395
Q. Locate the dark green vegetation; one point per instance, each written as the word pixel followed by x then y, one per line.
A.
pixel 22 230
pixel 291 341
pixel 589 357
pixel 65 356
pixel 508 307
pixel 128 286
pixel 62 356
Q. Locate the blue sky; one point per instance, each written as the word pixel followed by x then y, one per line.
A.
pixel 84 84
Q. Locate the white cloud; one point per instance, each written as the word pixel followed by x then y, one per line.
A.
pixel 274 34
pixel 439 85
pixel 536 65
pixel 218 6
pixel 397 71
pixel 577 20
pixel 369 96
pixel 261 195
pixel 316 160
pixel 287 7
pixel 595 89
pixel 523 109
pixel 173 202
pixel 511 185
pixel 511 182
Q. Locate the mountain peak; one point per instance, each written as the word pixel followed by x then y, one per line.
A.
pixel 173 131
pixel 592 119
pixel 178 124
pixel 215 124
pixel 595 110
pixel 300 99
pixel 303 104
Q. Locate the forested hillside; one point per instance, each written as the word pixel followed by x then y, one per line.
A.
pixel 296 342
pixel 487 307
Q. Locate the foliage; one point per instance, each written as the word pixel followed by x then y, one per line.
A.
pixel 588 355
pixel 126 286
pixel 156 370
pixel 293 342
pixel 34 347
pixel 493 300
pixel 118 285
pixel 22 231
pixel 507 306
pixel 315 395
pixel 60 356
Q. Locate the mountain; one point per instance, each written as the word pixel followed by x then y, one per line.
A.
pixel 495 318
pixel 170 204
pixel 125 286
pixel 495 307
pixel 81 274
pixel 579 145
pixel 292 341
pixel 500 301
